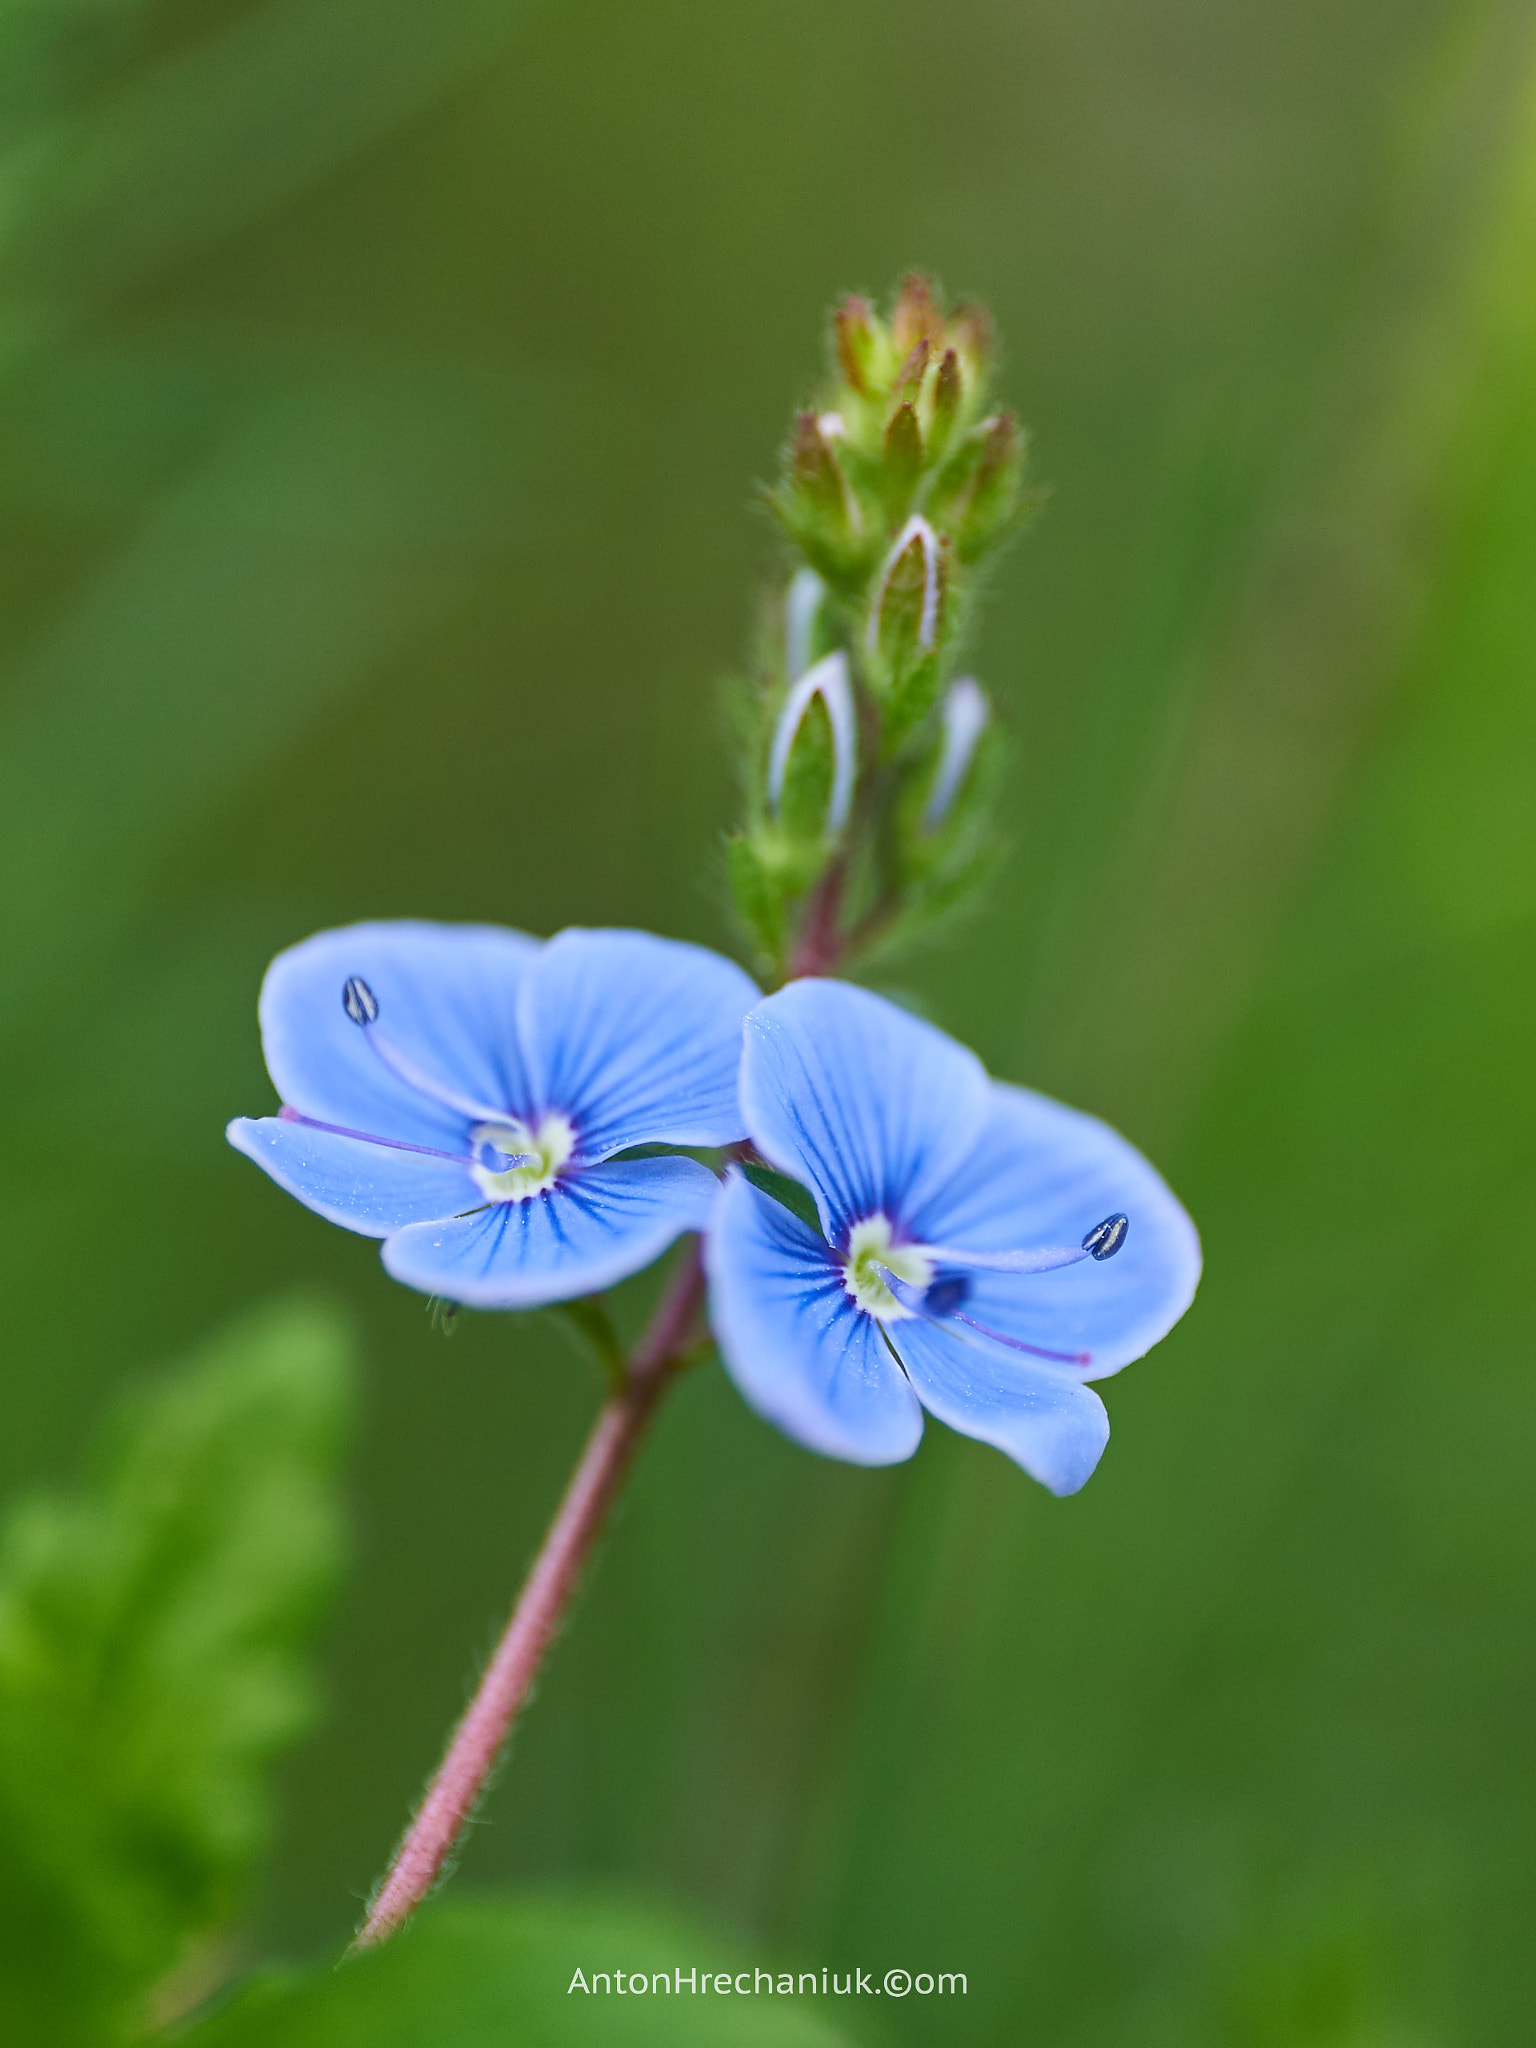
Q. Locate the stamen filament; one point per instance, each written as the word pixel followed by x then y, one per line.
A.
pixel 362 1006
pixel 1045 1259
pixel 289 1115
pixel 915 1301
pixel 407 1071
pixel 1018 1344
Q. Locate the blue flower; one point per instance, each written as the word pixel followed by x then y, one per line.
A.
pixel 983 1253
pixel 461 1091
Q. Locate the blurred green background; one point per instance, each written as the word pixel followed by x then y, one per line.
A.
pixel 382 391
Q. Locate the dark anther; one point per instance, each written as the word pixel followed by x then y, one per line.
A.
pixel 1106 1238
pixel 946 1295
pixel 359 1000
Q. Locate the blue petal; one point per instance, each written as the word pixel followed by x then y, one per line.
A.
pixel 868 1105
pixel 1045 1174
pixel 794 1343
pixel 447 996
pixel 594 1228
pixel 1044 1418
pixel 364 1187
pixel 636 1039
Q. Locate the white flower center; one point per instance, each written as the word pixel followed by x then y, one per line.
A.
pixel 869 1248
pixel 551 1145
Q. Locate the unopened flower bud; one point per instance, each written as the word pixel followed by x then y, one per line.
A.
pixel 916 317
pixel 829 681
pixel 815 501
pixel 902 459
pixel 909 378
pixel 814 470
pixel 976 493
pixel 994 490
pixel 855 343
pixel 904 618
pixel 966 716
pixel 947 393
pixel 802 602
pixel 970 335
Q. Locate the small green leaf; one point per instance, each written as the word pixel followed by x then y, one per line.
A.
pixel 150 1630
pixel 491 1972
pixel 789 1194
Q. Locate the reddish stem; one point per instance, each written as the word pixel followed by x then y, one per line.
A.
pixel 819 945
pixel 480 1736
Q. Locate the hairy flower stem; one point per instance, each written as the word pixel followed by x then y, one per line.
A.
pixel 595 1484
pixel 819 946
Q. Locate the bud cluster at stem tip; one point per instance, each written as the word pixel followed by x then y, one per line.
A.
pixel 871 764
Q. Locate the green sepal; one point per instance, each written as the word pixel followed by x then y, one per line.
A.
pixel 902 461
pixel 819 510
pixel 978 494
pixel 913 696
pixel 903 657
pixel 948 398
pixel 856 343
pixel 993 500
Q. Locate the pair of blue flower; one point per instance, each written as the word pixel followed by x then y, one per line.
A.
pixel 475 1098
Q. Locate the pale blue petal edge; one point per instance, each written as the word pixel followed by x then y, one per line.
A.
pixel 363 1187
pixel 1044 1174
pixel 799 1351
pixel 868 1105
pixel 582 1235
pixel 1044 1419
pixel 447 998
pixel 636 1039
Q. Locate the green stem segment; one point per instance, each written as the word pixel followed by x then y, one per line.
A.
pixel 479 1738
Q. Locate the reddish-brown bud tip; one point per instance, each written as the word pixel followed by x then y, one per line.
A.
pixel 946 389
pixel 910 375
pixel 916 317
pixel 904 443
pixel 997 453
pixel 810 449
pixel 970 331
pixel 855 335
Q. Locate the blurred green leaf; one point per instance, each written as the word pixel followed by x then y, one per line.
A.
pixel 151 1629
pixel 486 1972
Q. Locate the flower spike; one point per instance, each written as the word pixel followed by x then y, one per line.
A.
pixel 829 681
pixel 289 1115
